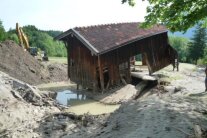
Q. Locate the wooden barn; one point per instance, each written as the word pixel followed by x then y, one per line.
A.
pixel 99 56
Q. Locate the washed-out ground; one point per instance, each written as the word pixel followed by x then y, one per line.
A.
pixel 164 111
pixel 176 107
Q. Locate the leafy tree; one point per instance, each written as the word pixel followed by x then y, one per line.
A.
pixel 53 33
pixel 42 40
pixel 2 32
pixel 181 45
pixel 176 15
pixel 197 44
pixel 205 56
pixel 14 37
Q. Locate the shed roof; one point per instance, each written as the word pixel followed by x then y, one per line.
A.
pixel 103 38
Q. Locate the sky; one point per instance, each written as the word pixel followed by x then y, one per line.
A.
pixel 65 14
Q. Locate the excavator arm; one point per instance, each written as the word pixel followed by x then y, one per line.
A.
pixel 23 40
pixel 19 34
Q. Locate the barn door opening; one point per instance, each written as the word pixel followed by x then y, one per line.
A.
pixel 138 61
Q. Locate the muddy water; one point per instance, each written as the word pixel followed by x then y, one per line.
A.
pixel 80 103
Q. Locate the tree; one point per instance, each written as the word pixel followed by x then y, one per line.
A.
pixel 14 37
pixel 53 33
pixel 2 32
pixel 176 15
pixel 205 56
pixel 197 44
pixel 181 45
pixel 42 40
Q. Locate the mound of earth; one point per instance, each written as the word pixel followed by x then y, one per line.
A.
pixel 21 65
pixel 57 72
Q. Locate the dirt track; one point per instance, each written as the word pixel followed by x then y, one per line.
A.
pixel 21 65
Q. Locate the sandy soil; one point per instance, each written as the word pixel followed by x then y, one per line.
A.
pixel 167 111
pixel 172 109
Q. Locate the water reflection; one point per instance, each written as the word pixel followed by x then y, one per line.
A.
pixel 68 97
pixel 81 104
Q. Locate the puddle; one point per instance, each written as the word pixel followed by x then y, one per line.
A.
pixel 68 97
pixel 80 103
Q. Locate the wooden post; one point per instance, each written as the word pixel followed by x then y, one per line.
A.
pixel 129 72
pixel 101 74
pixel 144 60
pixel 68 55
pixel 77 86
pixel 94 75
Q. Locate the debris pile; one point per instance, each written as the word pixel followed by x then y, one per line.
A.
pixel 22 108
pixel 28 93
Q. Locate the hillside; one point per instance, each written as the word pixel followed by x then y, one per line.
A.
pixel 42 40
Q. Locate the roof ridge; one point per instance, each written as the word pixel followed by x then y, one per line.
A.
pixel 98 25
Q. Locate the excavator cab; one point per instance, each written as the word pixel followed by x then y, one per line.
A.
pixel 33 51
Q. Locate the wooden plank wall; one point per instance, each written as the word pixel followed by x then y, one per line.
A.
pixel 154 49
pixel 88 70
pixel 82 67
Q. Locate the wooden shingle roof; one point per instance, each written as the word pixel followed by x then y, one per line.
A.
pixel 103 38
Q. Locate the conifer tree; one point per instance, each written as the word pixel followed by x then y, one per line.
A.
pixel 197 44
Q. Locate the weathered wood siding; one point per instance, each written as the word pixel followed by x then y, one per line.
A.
pixel 154 49
pixel 81 64
pixel 109 69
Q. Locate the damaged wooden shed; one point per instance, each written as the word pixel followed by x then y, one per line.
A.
pixel 99 56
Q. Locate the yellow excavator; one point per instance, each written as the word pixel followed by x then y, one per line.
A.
pixel 24 43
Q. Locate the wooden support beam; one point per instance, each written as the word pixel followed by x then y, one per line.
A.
pixel 129 72
pixel 68 55
pixel 94 75
pixel 77 86
pixel 101 74
pixel 144 60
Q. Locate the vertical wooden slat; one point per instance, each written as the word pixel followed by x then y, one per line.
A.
pixel 143 60
pixel 101 73
pixel 94 75
pixel 129 72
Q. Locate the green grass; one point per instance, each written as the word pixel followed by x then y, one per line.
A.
pixel 58 60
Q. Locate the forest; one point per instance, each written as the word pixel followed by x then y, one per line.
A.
pixel 193 50
pixel 43 40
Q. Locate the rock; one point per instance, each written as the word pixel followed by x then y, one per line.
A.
pixel 16 95
pixel 32 70
pixel 170 89
pixel 178 88
pixel 17 84
pixel 197 131
pixel 27 92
